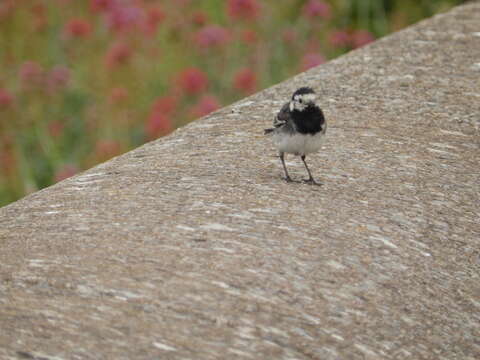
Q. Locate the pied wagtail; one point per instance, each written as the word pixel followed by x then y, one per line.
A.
pixel 299 128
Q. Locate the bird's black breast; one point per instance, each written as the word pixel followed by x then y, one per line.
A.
pixel 309 121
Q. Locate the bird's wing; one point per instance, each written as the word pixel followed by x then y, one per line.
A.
pixel 282 117
pixel 283 121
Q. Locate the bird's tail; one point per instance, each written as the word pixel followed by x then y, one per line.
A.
pixel 267 131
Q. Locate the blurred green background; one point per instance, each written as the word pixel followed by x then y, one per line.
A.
pixel 82 81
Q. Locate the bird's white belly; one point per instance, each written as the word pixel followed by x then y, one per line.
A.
pixel 298 144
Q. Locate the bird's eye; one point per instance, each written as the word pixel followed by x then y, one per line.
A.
pixel 300 101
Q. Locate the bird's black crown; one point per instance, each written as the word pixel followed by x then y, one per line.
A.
pixel 302 91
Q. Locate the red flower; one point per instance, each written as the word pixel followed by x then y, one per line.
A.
pixel 106 149
pixel 249 36
pixel 245 80
pixel 243 9
pixel 211 36
pixel 78 28
pixel 155 17
pixel 38 10
pixel 101 5
pixel 6 99
pixel 40 24
pixel 65 172
pixel 289 36
pixel 118 54
pixel 6 8
pixel 58 78
pixel 193 81
pixel 339 38
pixel 317 8
pixel 206 105
pixel 39 20
pixel 165 105
pixel 311 60
pixel 31 74
pixel 158 124
pixel 361 38
pixel 7 157
pixel 55 128
pixel 118 95
pixel 125 18
pixel 199 18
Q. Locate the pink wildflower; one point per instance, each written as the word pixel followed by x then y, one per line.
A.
pixel 199 18
pixel 65 172
pixel 31 74
pixel 361 38
pixel 7 157
pixel 249 36
pixel 125 18
pixel 155 17
pixel 118 54
pixel 158 124
pixel 6 8
pixel 243 9
pixel 206 105
pixel 106 149
pixel 39 15
pixel 339 38
pixel 40 24
pixel 311 60
pixel 57 78
pixel 101 5
pixel 193 81
pixel 289 36
pixel 38 9
pixel 165 105
pixel 211 36
pixel 118 95
pixel 55 128
pixel 6 99
pixel 245 80
pixel 78 28
pixel 317 8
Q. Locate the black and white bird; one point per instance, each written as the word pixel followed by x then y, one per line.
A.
pixel 299 128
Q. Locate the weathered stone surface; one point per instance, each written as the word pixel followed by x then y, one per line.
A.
pixel 192 247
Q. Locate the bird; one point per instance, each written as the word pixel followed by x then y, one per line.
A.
pixel 299 129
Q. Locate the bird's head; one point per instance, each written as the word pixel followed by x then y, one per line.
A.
pixel 302 98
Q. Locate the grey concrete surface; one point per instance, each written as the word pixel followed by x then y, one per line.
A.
pixel 193 247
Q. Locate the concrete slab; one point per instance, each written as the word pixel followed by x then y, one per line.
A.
pixel 193 247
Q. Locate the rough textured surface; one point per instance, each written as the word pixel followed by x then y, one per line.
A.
pixel 192 247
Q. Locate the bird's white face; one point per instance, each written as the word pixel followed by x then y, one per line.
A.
pixel 302 101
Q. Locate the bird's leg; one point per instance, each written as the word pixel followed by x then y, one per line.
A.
pixel 310 179
pixel 287 177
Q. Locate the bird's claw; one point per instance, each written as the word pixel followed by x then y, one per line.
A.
pixel 311 181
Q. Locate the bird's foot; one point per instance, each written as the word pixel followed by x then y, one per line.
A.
pixel 311 181
pixel 288 179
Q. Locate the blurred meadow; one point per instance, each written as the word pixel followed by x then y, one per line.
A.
pixel 82 81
